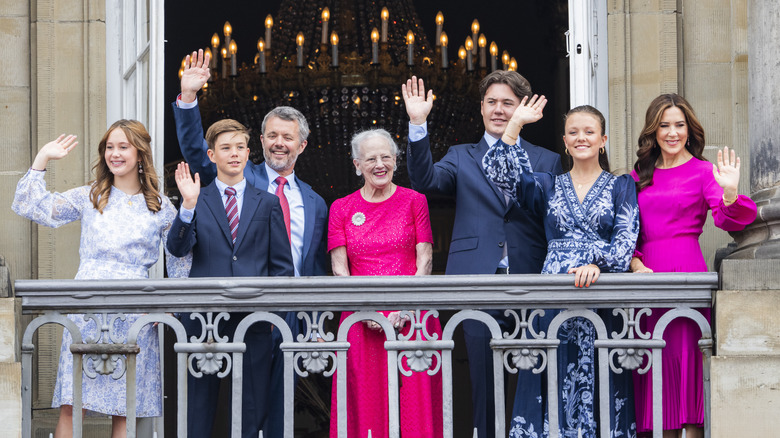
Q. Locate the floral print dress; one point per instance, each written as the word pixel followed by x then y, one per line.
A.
pixel 121 243
pixel 601 230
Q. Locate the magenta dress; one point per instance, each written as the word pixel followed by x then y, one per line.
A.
pixel 380 239
pixel 672 212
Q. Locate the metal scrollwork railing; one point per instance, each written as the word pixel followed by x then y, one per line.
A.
pixel 524 315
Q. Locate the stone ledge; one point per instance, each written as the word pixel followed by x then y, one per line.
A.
pixel 750 274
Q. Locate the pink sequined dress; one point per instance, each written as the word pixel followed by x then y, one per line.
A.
pixel 380 239
pixel 672 212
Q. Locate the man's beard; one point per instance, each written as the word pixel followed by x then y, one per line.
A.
pixel 279 165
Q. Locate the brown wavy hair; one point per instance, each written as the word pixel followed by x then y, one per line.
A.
pixel 587 109
pixel 649 151
pixel 150 186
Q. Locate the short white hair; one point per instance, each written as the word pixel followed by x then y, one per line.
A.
pixel 361 137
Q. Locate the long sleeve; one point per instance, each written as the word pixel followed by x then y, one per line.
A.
pixel 734 217
pixel 180 237
pixel 189 130
pixel 504 164
pixel 177 267
pixel 34 202
pixel 427 177
pixel 510 170
pixel 615 255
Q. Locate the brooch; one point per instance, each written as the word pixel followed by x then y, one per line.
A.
pixel 358 219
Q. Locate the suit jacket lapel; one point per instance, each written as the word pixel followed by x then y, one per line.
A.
pixel 250 204
pixel 478 151
pixel 309 216
pixel 212 199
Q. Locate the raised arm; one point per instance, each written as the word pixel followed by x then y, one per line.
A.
pixel 189 127
pixel 34 202
pixel 181 237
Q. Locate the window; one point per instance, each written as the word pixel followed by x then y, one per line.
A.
pixel 134 64
pixel 587 46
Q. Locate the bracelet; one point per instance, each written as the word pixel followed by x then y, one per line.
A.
pixel 727 202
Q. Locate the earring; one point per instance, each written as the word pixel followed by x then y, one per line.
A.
pixel 358 172
pixel 603 150
pixel 566 151
pixel 140 167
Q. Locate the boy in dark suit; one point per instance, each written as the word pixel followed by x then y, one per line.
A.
pixel 232 229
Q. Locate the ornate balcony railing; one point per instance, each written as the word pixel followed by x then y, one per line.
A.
pixel 524 297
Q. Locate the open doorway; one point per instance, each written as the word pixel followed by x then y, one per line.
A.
pixel 532 32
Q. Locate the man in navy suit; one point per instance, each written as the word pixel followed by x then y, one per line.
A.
pixel 284 134
pixel 233 230
pixel 490 234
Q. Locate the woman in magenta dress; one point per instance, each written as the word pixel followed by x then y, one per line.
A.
pixel 676 187
pixel 382 229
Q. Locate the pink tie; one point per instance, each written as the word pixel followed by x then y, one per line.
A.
pixel 281 181
pixel 231 208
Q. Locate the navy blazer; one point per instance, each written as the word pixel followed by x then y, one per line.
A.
pixel 483 220
pixel 262 248
pixel 189 130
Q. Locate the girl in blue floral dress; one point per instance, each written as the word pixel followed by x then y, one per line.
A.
pixel 591 223
pixel 123 220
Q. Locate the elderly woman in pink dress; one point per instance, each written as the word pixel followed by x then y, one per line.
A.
pixel 382 229
pixel 676 187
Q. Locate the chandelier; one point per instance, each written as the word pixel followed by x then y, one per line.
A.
pixel 342 63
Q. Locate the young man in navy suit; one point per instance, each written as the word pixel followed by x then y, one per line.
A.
pixel 491 235
pixel 233 230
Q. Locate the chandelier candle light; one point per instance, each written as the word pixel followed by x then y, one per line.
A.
pixel 233 49
pixel 443 40
pixel 214 51
pixel 439 24
pixel 261 54
pixel 269 23
pixel 474 33
pixel 299 42
pixel 410 45
pixel 325 19
pixel 493 56
pixel 374 46
pixel 334 41
pixel 482 49
pixel 469 54
pixel 385 15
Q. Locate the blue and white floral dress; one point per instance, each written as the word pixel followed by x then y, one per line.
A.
pixel 121 243
pixel 601 230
